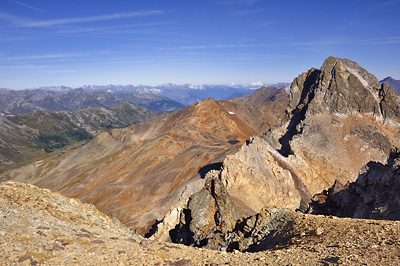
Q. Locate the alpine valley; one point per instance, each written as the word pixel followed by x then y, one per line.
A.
pixel 309 177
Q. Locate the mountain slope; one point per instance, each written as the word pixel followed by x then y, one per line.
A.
pixel 27 137
pixel 137 174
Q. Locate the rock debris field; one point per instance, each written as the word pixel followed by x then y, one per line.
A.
pixel 38 227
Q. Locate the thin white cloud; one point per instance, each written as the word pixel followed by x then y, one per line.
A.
pixel 235 2
pixel 317 43
pixel 50 56
pixel 47 23
pixel 25 5
pixel 11 18
pixel 388 40
pixel 138 28
pixel 383 5
pixel 247 12
pixel 214 46
pixel 389 3
pixel 266 23
pixel 22 22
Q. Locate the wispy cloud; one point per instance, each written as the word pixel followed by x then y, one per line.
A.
pixel 130 28
pixel 266 23
pixel 11 18
pixel 382 5
pixel 22 22
pixel 390 3
pixel 25 5
pixel 50 56
pixel 235 2
pixel 247 12
pixel 318 43
pixel 387 40
pixel 214 46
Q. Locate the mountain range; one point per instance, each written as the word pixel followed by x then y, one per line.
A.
pixel 27 101
pixel 185 94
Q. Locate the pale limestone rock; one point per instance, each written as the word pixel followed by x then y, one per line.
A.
pixel 257 177
pixel 169 222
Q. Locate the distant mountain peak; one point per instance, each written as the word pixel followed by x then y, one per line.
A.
pixel 393 83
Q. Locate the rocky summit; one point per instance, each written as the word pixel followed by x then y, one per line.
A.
pixel 247 180
pixel 338 119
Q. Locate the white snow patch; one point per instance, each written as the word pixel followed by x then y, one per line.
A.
pixel 231 113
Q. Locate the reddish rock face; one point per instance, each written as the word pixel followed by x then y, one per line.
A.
pixel 137 174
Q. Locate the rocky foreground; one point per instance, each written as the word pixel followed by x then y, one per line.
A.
pixel 38 227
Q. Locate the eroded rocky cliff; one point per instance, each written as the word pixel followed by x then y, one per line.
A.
pixel 375 194
pixel 338 118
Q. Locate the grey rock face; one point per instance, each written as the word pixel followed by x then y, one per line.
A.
pixel 374 195
pixel 209 216
pixel 256 233
pixel 342 88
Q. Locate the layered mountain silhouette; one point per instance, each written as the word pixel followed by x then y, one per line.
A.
pixel 27 101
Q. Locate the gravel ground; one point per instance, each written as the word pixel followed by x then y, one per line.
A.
pixel 38 227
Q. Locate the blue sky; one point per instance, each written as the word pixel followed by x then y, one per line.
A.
pixel 75 43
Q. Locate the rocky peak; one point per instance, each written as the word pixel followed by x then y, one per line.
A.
pixel 340 86
pixel 209 216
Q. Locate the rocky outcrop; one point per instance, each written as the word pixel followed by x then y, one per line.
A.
pixel 257 232
pixel 374 195
pixel 211 220
pixel 209 216
pixel 258 176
